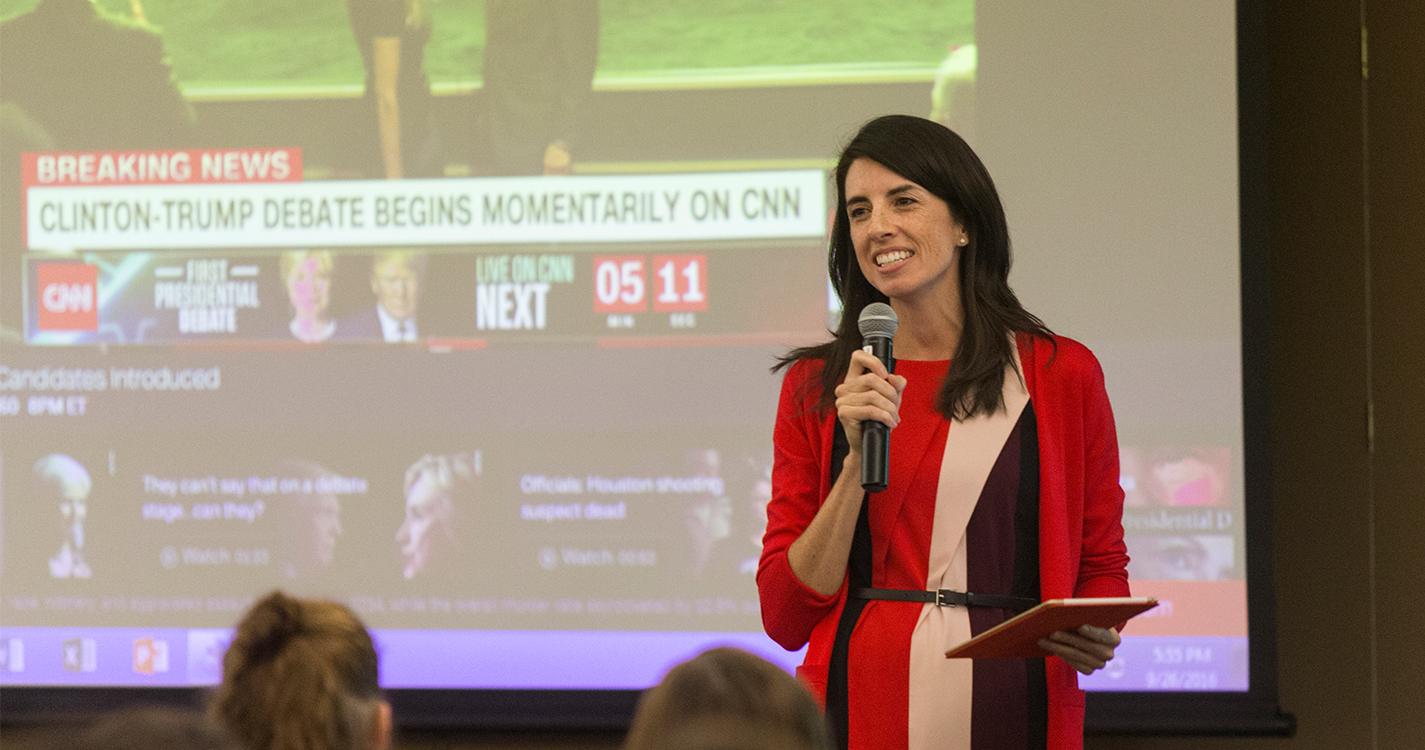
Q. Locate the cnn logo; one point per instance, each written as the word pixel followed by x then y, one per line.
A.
pixel 67 301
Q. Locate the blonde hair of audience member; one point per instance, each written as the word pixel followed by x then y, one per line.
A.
pixel 301 674
pixel 728 699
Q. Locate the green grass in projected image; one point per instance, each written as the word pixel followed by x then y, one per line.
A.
pixel 309 42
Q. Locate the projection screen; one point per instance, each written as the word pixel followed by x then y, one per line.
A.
pixel 514 408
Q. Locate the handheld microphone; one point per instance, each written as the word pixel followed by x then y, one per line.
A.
pixel 878 325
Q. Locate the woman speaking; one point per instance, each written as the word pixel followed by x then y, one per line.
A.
pixel 1003 470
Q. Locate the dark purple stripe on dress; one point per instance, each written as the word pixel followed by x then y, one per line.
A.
pixel 1002 558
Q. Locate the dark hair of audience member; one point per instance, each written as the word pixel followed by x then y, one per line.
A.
pixel 727 699
pixel 152 729
pixel 301 674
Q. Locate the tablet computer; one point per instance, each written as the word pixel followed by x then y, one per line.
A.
pixel 1019 636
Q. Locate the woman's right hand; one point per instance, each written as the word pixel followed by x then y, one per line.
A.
pixel 818 557
pixel 869 392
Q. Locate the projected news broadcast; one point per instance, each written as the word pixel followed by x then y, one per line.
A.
pixel 476 341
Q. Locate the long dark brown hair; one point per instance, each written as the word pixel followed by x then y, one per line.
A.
pixel 935 158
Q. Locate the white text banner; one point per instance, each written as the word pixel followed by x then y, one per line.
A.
pixel 512 210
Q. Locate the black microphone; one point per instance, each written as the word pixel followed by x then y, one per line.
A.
pixel 878 325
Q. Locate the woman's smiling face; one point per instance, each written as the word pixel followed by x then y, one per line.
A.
pixel 906 240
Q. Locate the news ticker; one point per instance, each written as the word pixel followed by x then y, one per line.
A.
pixel 516 659
pixel 453 298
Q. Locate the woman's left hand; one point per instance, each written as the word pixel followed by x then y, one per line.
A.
pixel 1087 649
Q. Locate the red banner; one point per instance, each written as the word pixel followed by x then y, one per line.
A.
pixel 1212 608
pixel 194 166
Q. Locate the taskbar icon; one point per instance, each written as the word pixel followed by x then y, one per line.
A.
pixel 12 655
pixel 150 656
pixel 80 655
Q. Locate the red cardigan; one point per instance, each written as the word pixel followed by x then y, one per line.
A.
pixel 1081 549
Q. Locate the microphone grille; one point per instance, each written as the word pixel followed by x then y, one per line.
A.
pixel 877 319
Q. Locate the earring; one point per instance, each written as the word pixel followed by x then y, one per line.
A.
pixel 963 240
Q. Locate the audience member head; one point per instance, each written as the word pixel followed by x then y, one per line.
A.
pixel 301 675
pixel 727 699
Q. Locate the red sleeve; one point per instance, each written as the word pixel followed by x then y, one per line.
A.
pixel 790 609
pixel 1103 560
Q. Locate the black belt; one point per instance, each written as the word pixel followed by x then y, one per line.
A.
pixel 948 598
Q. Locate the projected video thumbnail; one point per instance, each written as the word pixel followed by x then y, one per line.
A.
pixel 515 533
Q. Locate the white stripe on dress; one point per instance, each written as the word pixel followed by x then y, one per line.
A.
pixel 940 688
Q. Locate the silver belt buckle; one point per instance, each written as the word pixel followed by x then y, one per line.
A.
pixel 942 598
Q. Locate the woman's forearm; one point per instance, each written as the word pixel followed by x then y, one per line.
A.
pixel 819 556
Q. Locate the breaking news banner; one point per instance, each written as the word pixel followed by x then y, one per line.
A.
pixel 128 210
pixel 95 168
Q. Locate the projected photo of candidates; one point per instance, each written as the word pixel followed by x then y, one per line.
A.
pixel 475 336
